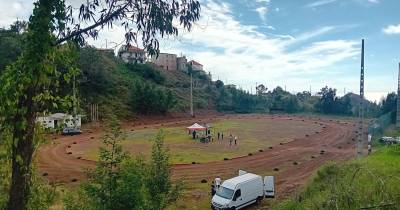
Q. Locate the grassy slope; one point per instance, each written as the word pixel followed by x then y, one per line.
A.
pixel 370 181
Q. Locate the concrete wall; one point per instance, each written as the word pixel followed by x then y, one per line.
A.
pixel 166 61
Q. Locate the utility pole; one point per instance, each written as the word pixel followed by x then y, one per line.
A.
pixel 191 95
pixel 398 100
pixel 74 102
pixel 360 143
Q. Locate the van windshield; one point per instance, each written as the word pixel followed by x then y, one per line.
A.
pixel 225 192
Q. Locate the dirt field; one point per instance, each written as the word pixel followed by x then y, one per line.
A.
pixel 335 139
pixel 253 134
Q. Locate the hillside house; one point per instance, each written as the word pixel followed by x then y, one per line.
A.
pixel 132 54
pixel 182 64
pixel 165 61
pixel 196 66
pixel 59 120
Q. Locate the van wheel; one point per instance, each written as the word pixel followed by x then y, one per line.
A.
pixel 258 201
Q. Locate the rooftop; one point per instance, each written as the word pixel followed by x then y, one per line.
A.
pixel 195 62
pixel 130 48
pixel 231 183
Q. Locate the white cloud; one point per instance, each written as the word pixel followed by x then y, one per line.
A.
pixel 262 12
pixel 242 54
pixel 374 1
pixel 263 1
pixel 12 10
pixel 392 29
pixel 319 3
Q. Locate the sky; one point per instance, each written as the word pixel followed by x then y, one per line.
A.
pixel 298 45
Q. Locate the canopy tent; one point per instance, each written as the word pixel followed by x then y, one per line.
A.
pixel 196 127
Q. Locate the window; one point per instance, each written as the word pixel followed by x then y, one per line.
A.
pixel 224 192
pixel 238 193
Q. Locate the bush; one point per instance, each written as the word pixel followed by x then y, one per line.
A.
pixel 150 99
pixel 147 72
pixel 123 182
pixel 367 182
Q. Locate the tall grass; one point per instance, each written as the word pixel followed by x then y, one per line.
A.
pixel 369 183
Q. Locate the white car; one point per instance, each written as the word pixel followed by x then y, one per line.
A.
pixel 242 191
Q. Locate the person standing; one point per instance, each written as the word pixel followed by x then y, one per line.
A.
pixel 369 149
pixel 222 136
pixel 235 140
pixel 194 134
pixel 213 189
pixel 217 182
pixel 230 139
pixel 218 135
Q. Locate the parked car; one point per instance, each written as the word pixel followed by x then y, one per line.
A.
pixel 71 131
pixel 389 140
pixel 242 191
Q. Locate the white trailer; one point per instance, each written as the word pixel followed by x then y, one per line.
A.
pixel 243 190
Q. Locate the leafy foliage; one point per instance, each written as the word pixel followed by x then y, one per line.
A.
pixel 141 19
pixel 32 83
pixel 147 72
pixel 123 182
pixel 150 99
pixel 366 183
pixel 11 43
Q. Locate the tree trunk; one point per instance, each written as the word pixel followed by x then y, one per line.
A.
pixel 22 152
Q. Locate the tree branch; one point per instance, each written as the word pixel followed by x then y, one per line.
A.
pixel 84 30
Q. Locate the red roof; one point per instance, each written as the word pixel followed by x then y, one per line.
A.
pixel 195 63
pixel 132 49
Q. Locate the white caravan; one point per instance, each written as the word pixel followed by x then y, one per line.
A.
pixel 241 191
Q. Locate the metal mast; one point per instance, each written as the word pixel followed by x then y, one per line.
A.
pixel 360 143
pixel 191 95
pixel 398 100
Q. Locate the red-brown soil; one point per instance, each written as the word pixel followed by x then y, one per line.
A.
pixel 335 139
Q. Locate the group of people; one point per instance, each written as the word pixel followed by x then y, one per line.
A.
pixel 232 139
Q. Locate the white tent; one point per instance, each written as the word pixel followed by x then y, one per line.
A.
pixel 196 127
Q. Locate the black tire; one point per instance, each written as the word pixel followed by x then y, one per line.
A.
pixel 233 208
pixel 258 201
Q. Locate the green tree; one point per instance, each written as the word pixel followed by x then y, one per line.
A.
pixel 123 182
pixel 11 43
pixel 103 180
pixel 25 83
pixel 219 84
pixel 326 103
pixel 261 89
pixel 389 103
pixel 158 181
pixel 151 99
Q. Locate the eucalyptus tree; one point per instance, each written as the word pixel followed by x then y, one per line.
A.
pixel 30 84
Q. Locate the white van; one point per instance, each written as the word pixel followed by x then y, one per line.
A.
pixel 239 192
pixel 269 187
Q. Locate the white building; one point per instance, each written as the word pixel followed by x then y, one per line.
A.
pixel 58 120
pixel 132 54
pixel 196 66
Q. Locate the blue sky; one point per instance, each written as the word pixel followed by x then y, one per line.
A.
pixel 292 43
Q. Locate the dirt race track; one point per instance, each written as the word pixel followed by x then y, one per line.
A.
pixel 292 163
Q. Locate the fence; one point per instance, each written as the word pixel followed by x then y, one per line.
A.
pixel 380 124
